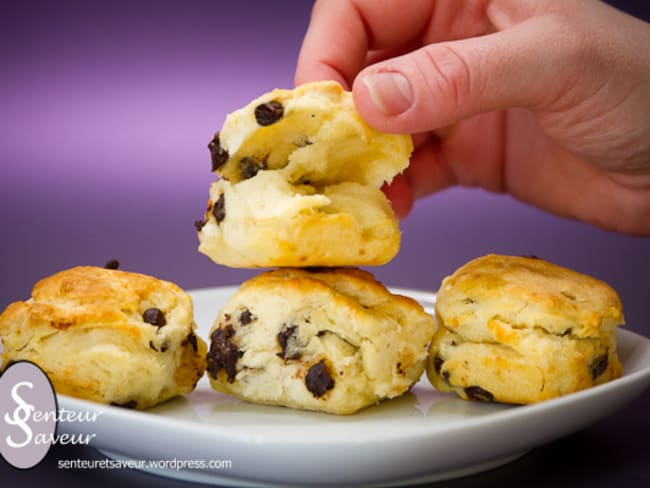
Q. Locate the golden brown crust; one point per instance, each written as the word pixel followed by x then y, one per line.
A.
pixel 528 291
pixel 522 330
pixel 85 327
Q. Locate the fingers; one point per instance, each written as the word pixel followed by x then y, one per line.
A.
pixel 342 32
pixel 442 83
pixel 400 195
pixel 429 170
pixel 335 45
pixel 427 173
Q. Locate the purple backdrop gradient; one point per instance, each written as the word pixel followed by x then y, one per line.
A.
pixel 106 110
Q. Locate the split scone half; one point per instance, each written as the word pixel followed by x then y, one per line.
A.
pixel 330 340
pixel 300 184
pixel 108 336
pixel 522 330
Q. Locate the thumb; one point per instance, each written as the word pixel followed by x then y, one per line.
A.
pixel 532 64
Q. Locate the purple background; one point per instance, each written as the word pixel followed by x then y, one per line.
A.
pixel 107 107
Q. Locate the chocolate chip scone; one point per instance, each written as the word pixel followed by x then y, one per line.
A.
pixel 300 184
pixel 108 336
pixel 522 330
pixel 332 340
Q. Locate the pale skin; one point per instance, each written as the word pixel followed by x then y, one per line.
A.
pixel 548 100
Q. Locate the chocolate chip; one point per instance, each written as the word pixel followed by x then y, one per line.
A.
pixel 478 393
pixel 219 209
pixel 223 353
pixel 285 336
pixel 246 317
pixel 268 113
pixel 191 339
pixel 249 167
pixel 218 154
pixel 598 366
pixel 112 264
pixel 199 224
pixel 154 316
pixel 318 380
pixel 398 368
pixel 303 142
pixel 437 364
pixel 130 404
pixel 446 377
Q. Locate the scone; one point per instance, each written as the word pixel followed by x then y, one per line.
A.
pixel 108 336
pixel 330 340
pixel 522 330
pixel 300 184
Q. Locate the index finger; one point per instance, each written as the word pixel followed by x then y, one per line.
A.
pixel 342 32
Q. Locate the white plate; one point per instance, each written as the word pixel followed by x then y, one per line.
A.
pixel 422 436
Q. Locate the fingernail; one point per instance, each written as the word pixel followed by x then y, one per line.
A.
pixel 390 91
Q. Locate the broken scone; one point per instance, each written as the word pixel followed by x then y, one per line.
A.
pixel 300 184
pixel 108 336
pixel 332 340
pixel 522 330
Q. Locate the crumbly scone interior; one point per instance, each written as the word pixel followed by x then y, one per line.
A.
pixel 318 156
pixel 316 160
pixel 318 140
pixel 270 197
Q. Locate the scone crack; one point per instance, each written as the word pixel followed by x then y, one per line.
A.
pixel 568 294
pixel 599 365
pixel 28 341
pixel 324 332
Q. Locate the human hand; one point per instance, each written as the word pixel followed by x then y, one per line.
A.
pixel 547 100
